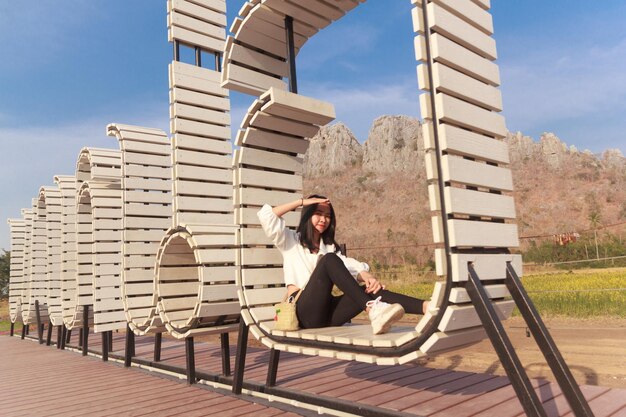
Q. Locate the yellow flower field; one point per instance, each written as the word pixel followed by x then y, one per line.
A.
pixel 579 294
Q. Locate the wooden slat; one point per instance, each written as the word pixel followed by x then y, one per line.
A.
pixel 476 203
pixel 488 267
pixel 285 126
pixel 257 178
pixel 262 276
pixel 452 54
pixel 458 317
pixel 258 196
pixel 195 128
pixel 445 341
pixel 182 141
pixel 248 216
pixel 457 84
pixel 250 57
pixel 466 143
pixel 297 107
pixel 467 233
pixel 217 18
pixel 264 296
pixel 194 98
pixel 476 173
pixel 459 294
pixel 199 114
pixel 272 160
pixel 458 30
pixel 463 114
pixel 201 188
pixel 196 25
pixel 197 79
pixel 256 81
pixel 260 256
pixel 270 140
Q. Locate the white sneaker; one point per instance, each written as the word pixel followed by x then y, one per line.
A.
pixel 383 315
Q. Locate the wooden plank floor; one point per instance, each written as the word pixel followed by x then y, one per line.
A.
pixel 39 380
pixel 404 390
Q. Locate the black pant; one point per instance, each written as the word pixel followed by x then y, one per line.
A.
pixel 317 307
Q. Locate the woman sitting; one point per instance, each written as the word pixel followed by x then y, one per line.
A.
pixel 312 265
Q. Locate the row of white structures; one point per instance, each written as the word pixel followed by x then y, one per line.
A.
pixel 160 233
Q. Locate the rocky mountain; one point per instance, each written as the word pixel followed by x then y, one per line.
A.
pixel 379 188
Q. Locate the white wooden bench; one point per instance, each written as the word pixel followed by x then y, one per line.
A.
pixel 67 186
pixel 195 266
pixel 17 229
pixel 49 202
pixel 471 167
pixel 147 213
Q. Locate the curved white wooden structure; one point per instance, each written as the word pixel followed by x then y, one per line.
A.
pixel 17 229
pixel 36 288
pixel 49 202
pixel 147 211
pixel 99 237
pixel 195 280
pixel 67 187
pixel 28 314
pixel 472 160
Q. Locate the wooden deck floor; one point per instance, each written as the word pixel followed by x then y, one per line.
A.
pixel 401 390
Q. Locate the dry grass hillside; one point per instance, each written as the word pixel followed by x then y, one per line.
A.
pixel 380 203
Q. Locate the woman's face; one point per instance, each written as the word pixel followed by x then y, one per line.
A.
pixel 321 218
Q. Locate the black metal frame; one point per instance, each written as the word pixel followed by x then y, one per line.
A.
pixel 85 329
pixel 157 346
pixel 506 352
pixel 190 360
pixel 49 334
pixel 39 324
pixel 129 346
pixel 225 349
pixel 12 331
pixel 105 346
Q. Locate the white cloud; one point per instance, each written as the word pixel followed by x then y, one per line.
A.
pixel 33 155
pixel 545 89
pixel 357 107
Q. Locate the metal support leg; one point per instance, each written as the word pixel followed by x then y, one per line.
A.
pixel 291 54
pixel 60 335
pixel 105 346
pixel 68 336
pixel 110 340
pixel 24 330
pixel 225 354
pixel 49 335
pixel 130 346
pixel 240 357
pixel 272 369
pixel 64 336
pixel 502 344
pixel 546 344
pixel 12 329
pixel 38 317
pixel 191 361
pixel 85 329
pixel 157 346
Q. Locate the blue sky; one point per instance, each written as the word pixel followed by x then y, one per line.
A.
pixel 70 67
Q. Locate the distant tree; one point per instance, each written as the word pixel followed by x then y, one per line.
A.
pixel 5 272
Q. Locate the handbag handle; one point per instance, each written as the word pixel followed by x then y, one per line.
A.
pixel 288 297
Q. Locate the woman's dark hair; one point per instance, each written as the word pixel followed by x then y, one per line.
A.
pixel 306 230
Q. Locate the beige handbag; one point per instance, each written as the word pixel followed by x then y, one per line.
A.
pixel 286 318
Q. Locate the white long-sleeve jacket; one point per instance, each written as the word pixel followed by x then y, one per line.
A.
pixel 298 261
